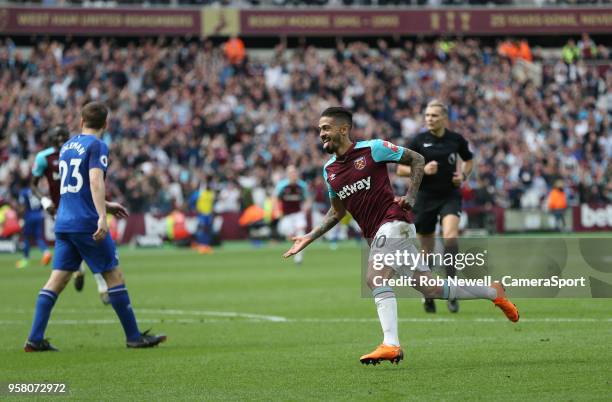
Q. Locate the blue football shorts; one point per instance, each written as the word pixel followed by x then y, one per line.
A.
pixel 72 248
pixel 33 227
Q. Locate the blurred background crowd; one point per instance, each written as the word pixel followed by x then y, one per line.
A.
pixel 188 114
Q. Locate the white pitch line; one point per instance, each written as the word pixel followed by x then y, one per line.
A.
pixel 172 312
pixel 228 314
pixel 115 322
pixel 250 317
pixel 442 319
pixel 310 320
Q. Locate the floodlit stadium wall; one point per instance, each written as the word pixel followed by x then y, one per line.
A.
pixel 210 22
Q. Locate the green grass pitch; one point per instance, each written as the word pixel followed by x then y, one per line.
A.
pixel 244 324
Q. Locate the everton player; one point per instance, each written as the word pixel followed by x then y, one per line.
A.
pixel 358 182
pixel 292 195
pixel 438 199
pixel 46 164
pixel 33 219
pixel 82 232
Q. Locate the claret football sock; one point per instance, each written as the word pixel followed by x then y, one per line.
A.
pixel 386 305
pixel 120 300
pixel 44 304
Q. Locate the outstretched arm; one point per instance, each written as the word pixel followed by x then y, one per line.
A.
pixel 416 163
pixel 333 216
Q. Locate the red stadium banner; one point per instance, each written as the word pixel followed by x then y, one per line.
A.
pixel 113 21
pixel 229 21
pixel 434 22
pixel 591 218
pixel 149 225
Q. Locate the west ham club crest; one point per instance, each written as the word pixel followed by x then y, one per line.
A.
pixel 360 163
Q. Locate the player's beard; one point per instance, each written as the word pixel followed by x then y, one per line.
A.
pixel 330 146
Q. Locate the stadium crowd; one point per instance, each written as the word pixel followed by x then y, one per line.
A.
pixel 184 115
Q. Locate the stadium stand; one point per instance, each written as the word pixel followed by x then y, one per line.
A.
pixel 184 110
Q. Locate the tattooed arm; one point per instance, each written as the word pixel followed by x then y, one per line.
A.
pixel 416 164
pixel 333 216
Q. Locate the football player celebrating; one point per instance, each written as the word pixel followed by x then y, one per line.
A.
pixel 358 182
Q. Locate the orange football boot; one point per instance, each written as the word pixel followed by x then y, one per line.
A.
pixel 383 352
pixel 46 258
pixel 205 249
pixel 504 304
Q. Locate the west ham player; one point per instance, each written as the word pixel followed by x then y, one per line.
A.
pixel 438 198
pixel 292 194
pixel 358 182
pixel 46 164
pixel 82 232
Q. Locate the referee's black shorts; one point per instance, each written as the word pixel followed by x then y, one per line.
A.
pixel 429 208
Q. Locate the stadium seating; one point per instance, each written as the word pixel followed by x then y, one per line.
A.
pixel 181 111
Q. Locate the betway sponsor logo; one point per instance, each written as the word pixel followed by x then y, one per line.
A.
pixel 596 217
pixel 350 189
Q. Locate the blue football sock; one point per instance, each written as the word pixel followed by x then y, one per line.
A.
pixel 40 242
pixel 120 300
pixel 203 238
pixel 26 248
pixel 44 305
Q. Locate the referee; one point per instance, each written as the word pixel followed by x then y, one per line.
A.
pixel 438 198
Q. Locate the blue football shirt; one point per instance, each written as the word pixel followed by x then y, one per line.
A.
pixel 33 209
pixel 77 212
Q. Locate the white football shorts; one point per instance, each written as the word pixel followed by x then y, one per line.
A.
pixel 293 224
pixel 396 246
